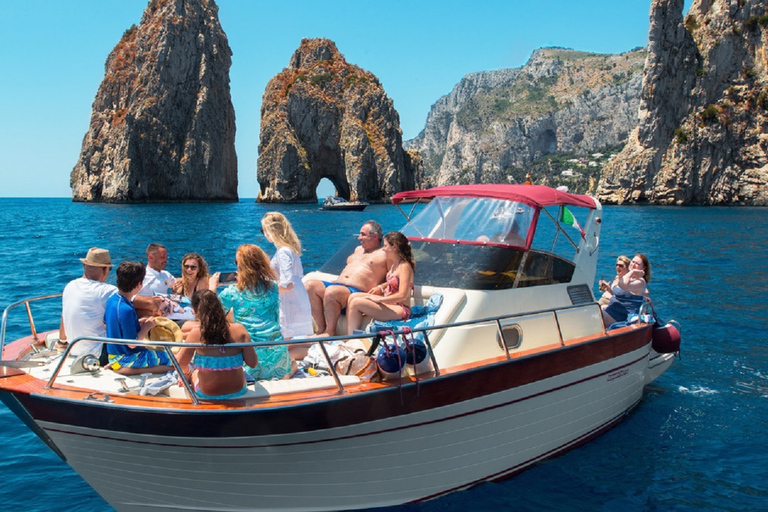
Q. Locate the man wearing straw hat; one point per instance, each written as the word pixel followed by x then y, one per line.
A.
pixel 83 302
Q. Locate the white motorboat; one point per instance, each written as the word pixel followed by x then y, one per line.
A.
pixel 340 204
pixel 522 369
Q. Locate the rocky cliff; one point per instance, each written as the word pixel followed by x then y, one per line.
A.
pixel 495 123
pixel 703 119
pixel 322 117
pixel 163 125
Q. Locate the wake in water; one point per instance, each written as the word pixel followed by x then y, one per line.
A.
pixel 697 390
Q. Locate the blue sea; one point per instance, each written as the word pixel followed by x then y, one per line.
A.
pixel 697 441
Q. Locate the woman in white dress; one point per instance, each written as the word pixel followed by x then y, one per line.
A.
pixel 295 312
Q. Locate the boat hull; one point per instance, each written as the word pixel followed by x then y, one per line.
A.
pixel 377 448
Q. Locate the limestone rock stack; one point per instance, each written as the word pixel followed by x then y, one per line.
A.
pixel 702 136
pixel 322 117
pixel 163 125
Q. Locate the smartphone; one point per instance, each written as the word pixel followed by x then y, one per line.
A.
pixel 228 277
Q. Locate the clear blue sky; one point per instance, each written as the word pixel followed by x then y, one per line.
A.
pixel 52 55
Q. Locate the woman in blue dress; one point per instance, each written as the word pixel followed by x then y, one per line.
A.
pixel 254 301
pixel 629 292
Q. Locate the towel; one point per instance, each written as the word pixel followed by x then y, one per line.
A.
pixel 421 317
pixel 155 386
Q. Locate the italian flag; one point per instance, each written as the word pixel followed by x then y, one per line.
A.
pixel 566 217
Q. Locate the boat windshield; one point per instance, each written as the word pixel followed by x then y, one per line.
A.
pixel 478 220
pixel 452 265
pixel 484 244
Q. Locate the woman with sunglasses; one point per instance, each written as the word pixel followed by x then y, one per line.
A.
pixel 194 275
pixel 629 293
pixel 622 267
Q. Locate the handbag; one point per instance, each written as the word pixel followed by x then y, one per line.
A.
pixel 355 361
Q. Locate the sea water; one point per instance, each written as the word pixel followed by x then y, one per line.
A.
pixel 697 441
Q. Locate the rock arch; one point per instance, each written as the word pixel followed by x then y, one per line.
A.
pixel 324 118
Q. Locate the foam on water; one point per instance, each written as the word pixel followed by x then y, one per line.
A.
pixel 697 390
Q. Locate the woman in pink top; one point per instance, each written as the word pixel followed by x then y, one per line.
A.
pixel 390 301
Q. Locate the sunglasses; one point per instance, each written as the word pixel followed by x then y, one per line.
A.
pixel 191 267
pixel 620 265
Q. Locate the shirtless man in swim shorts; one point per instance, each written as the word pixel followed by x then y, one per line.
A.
pixel 366 268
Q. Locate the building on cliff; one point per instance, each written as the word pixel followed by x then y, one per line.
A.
pixel 163 125
pixel 702 135
pixel 322 117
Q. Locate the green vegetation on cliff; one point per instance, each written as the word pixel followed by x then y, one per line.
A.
pixel 571 73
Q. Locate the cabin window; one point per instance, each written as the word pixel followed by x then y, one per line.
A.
pixel 511 336
pixel 471 267
pixel 558 231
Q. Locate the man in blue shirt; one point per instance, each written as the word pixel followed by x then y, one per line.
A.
pixel 123 322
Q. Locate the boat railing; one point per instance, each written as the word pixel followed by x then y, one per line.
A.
pixel 25 303
pixel 498 321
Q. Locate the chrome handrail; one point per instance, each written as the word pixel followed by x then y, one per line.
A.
pixel 168 345
pixel 29 315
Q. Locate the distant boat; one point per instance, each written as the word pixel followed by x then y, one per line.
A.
pixel 341 204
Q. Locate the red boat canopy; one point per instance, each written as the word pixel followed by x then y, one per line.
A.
pixel 537 196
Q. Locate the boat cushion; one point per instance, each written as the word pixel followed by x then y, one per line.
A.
pixel 267 388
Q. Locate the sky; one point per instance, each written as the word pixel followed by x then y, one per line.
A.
pixel 52 56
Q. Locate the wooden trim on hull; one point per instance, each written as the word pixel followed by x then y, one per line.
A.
pixel 278 416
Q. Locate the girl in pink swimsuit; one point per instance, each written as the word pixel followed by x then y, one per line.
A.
pixel 389 300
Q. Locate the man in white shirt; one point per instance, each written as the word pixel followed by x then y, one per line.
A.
pixel 83 302
pixel 157 280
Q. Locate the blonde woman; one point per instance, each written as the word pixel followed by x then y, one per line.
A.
pixel 295 312
pixel 194 275
pixel 629 292
pixel 622 267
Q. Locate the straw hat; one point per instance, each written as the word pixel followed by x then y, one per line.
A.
pixel 97 258
pixel 165 330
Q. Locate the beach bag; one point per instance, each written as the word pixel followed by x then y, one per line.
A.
pixel 391 358
pixel 353 360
